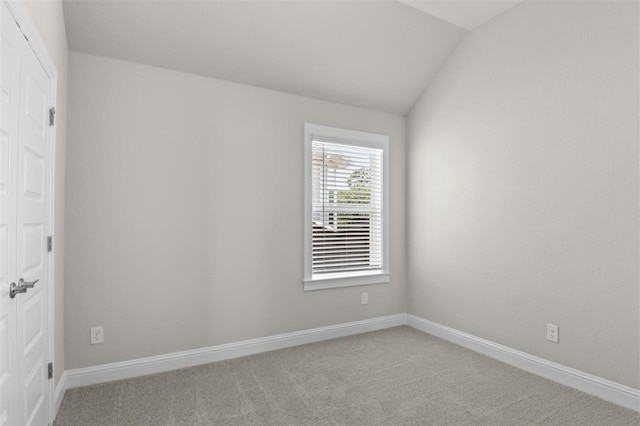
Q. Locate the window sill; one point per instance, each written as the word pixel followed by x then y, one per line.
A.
pixel 342 280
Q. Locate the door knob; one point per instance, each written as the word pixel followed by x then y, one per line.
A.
pixel 22 287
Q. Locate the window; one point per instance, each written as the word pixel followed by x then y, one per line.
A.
pixel 346 213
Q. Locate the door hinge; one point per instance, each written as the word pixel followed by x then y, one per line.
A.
pixel 51 370
pixel 49 244
pixel 52 116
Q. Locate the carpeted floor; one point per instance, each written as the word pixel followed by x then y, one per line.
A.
pixel 389 377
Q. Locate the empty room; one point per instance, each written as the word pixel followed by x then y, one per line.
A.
pixel 319 212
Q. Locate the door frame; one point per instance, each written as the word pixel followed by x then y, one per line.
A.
pixel 20 13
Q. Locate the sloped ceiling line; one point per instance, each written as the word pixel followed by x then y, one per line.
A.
pixel 379 54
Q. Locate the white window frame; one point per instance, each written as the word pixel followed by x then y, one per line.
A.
pixel 345 137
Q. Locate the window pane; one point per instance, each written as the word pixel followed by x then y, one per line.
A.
pixel 347 208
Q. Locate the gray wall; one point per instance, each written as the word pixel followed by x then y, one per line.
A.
pixel 523 186
pixel 185 209
pixel 48 19
pixel 522 199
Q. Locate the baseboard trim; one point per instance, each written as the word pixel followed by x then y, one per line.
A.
pixel 158 364
pixel 610 391
pixel 614 392
pixel 60 390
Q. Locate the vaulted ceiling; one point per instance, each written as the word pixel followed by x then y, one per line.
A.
pixel 467 14
pixel 375 54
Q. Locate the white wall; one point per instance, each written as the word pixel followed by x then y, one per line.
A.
pixel 523 186
pixel 49 20
pixel 185 212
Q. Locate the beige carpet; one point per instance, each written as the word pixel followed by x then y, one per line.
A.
pixel 388 377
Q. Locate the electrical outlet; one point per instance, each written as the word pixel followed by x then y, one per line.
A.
pixel 97 335
pixel 365 298
pixel 552 333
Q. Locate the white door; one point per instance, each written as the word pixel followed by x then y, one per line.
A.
pixel 24 182
pixel 9 98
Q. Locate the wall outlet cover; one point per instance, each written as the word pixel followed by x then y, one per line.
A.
pixel 97 335
pixel 552 333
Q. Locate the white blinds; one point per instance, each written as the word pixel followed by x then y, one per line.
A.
pixel 346 208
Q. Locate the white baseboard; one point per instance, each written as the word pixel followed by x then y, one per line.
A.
pixel 614 392
pixel 158 364
pixel 61 388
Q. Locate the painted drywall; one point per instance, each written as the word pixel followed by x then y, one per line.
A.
pixel 185 212
pixel 49 21
pixel 376 54
pixel 523 186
